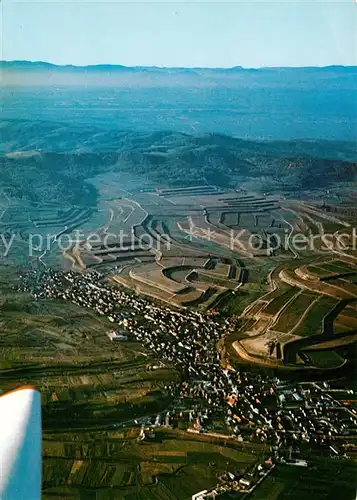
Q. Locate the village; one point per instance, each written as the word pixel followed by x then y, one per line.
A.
pixel 294 418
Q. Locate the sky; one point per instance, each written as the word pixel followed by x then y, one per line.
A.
pixel 185 34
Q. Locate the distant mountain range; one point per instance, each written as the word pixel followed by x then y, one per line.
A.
pixel 27 73
pixel 37 65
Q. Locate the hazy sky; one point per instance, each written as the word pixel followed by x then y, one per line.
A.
pixel 235 33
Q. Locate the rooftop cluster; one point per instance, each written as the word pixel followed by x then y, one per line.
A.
pixel 247 406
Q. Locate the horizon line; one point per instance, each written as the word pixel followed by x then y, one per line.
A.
pixel 142 66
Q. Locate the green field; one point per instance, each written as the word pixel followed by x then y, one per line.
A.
pixel 328 480
pixel 338 267
pixel 325 359
pixel 85 380
pixel 277 303
pixel 313 322
pixel 115 466
pixel 321 272
pixel 234 303
pixel 294 311
pixel 345 285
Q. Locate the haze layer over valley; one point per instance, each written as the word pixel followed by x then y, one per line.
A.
pixel 267 103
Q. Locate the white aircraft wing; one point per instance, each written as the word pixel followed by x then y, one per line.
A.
pixel 20 445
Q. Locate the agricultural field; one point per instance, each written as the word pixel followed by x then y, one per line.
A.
pixel 37 228
pixel 277 303
pixel 337 267
pixel 325 480
pixel 343 284
pixel 114 465
pixel 327 358
pixel 169 238
pixel 305 309
pixel 196 247
pixel 65 352
pixel 203 247
pixel 346 320
pixel 234 303
pixel 313 323
pixel 294 312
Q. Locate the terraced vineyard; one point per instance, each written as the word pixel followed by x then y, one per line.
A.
pixel 295 311
pixel 207 248
pixel 221 250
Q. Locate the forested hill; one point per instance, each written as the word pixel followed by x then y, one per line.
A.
pixel 43 160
